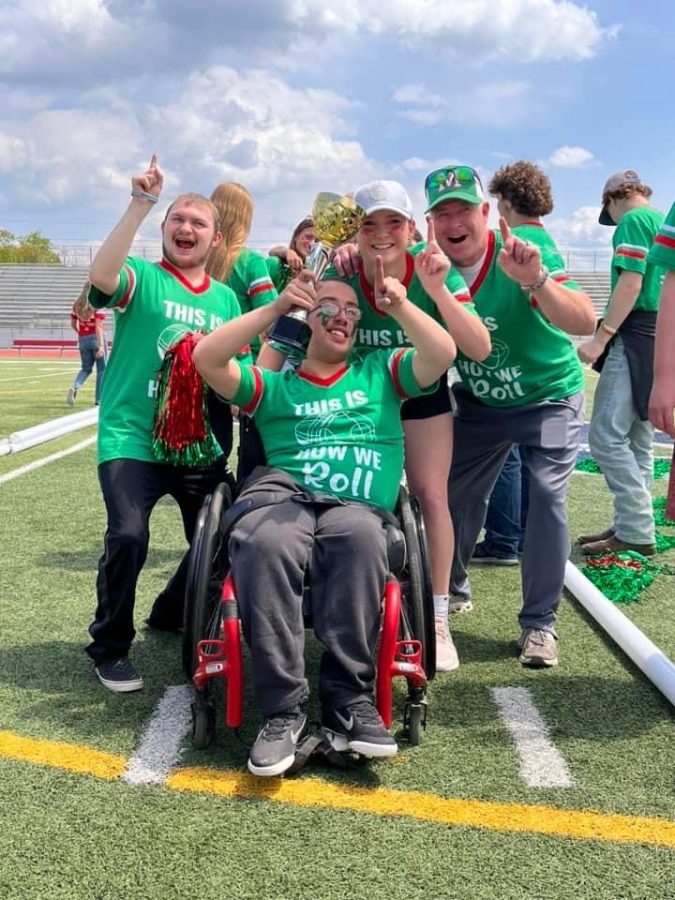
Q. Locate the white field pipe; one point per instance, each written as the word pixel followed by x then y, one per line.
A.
pixel 47 431
pixel 645 654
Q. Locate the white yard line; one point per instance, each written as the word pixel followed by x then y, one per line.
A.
pixel 31 378
pixel 15 473
pixel 541 764
pixel 160 747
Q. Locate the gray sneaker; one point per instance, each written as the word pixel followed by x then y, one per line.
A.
pixel 70 396
pixel 538 648
pixel 274 749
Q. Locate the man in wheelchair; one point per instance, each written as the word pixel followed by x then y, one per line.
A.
pixel 334 445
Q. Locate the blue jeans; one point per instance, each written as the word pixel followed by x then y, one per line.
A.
pixel 88 346
pixel 507 510
pixel 622 445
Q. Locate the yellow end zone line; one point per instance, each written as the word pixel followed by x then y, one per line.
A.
pixel 313 792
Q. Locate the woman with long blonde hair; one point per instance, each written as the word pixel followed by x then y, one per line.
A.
pixel 246 273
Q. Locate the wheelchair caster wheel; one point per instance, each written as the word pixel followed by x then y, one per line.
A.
pixel 415 721
pixel 203 723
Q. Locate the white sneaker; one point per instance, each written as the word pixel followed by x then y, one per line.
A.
pixel 460 606
pixel 70 396
pixel 446 652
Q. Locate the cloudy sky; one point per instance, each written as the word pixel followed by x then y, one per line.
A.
pixel 290 97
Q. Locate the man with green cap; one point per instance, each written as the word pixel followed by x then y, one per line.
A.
pixel 529 391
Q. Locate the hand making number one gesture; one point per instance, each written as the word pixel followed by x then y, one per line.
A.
pixel 148 186
pixel 519 260
pixel 389 292
pixel 431 264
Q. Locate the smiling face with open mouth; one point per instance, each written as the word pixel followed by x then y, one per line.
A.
pixel 461 230
pixel 384 233
pixel 334 320
pixel 188 235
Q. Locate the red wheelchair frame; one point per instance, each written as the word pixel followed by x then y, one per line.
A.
pixel 212 636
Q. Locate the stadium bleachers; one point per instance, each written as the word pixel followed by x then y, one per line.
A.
pixel 35 301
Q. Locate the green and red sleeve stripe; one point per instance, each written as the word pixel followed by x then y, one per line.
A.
pixel 260 286
pixel 128 295
pixel 252 404
pixel 631 251
pixel 395 361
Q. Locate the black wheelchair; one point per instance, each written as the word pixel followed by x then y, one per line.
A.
pixel 212 649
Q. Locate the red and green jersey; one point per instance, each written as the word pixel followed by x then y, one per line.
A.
pixel 535 233
pixel 154 307
pixel 85 327
pixel 377 330
pixel 662 252
pixel 340 435
pixel 251 282
pixel 632 240
pixel 531 359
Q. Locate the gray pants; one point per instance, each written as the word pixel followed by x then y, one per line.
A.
pixel 342 548
pixel 549 437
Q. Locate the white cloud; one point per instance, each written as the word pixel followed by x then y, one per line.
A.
pixel 500 104
pixel 571 158
pixel 76 41
pixel 581 230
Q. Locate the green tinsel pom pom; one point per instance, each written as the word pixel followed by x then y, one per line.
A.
pixel 589 465
pixel 621 577
pixel 663 542
pixel 659 505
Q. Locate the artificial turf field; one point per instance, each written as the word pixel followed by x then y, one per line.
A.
pixel 452 818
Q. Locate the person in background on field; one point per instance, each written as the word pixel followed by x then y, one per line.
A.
pixel 156 305
pixel 523 194
pixel 91 342
pixel 621 436
pixel 662 399
pixel 528 391
pixel 285 263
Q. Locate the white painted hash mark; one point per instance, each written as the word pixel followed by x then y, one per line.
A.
pixel 160 746
pixel 541 764
pixel 14 473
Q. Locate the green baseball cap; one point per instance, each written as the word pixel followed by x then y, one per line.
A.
pixel 453 183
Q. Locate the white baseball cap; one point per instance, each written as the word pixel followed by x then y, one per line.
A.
pixel 389 195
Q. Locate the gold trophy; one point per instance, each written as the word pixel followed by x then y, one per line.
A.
pixel 336 220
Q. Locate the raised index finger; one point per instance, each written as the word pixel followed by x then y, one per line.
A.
pixel 504 228
pixel 380 288
pixel 431 231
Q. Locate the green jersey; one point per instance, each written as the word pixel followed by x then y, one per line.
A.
pixel 154 307
pixel 340 435
pixel 280 273
pixel 531 360
pixel 632 240
pixel 377 330
pixel 251 282
pixel 534 233
pixel 662 252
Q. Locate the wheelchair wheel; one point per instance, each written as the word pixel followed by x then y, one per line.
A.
pixel 418 598
pixel 414 723
pixel 203 721
pixel 206 572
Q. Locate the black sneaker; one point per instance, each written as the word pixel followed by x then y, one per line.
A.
pixel 274 749
pixel 359 727
pixel 481 556
pixel 118 675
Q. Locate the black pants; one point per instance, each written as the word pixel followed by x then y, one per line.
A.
pixel 131 489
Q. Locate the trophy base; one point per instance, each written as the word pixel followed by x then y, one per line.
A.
pixel 290 332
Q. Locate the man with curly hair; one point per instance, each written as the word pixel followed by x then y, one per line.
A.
pixel 523 193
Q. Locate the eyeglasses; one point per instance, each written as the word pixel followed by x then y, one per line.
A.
pixel 452 177
pixel 329 309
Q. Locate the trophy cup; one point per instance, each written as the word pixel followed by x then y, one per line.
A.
pixel 336 220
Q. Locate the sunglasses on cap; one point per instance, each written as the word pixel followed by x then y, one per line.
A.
pixel 451 177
